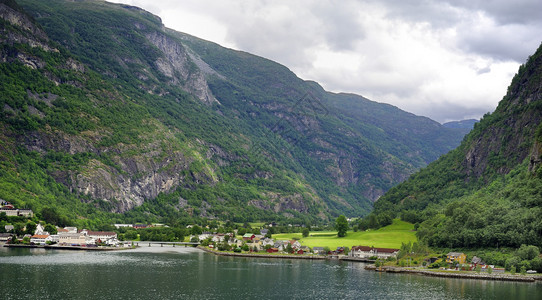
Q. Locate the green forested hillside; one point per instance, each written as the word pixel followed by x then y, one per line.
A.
pixel 108 116
pixel 488 191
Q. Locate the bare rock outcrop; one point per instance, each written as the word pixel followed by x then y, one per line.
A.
pixel 177 65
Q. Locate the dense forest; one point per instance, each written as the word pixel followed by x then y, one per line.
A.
pixel 488 191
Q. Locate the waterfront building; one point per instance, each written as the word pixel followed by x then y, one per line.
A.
pixel 40 239
pixel 366 252
pixel 456 258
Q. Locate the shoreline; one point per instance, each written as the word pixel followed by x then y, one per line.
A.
pixel 53 247
pixel 314 257
pixel 388 269
pixel 286 256
pixel 499 277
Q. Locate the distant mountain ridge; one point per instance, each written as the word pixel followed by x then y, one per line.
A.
pixel 463 124
pixel 106 113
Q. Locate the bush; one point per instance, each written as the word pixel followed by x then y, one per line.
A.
pixel 224 247
pixel 512 262
pixel 528 252
pixel 536 264
pixel 238 250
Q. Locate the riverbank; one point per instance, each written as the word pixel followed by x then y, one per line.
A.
pixel 455 274
pixel 57 247
pixel 261 255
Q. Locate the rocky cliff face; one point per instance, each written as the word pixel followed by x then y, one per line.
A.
pixel 134 179
pixel 30 34
pixel 508 134
pixel 177 65
pixel 135 172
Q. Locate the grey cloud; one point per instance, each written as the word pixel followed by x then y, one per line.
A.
pixel 516 33
pixel 340 25
pixel 445 112
pixel 437 13
pixel 506 11
pixel 485 70
pixel 500 45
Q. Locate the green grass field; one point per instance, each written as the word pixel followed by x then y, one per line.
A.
pixel 387 237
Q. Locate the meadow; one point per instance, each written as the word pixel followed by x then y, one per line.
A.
pixel 390 236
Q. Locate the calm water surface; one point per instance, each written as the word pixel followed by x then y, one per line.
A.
pixel 187 273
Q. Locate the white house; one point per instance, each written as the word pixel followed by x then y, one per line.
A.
pixel 54 238
pixel 218 238
pixel 101 235
pixel 123 225
pixel 72 239
pixel 4 237
pixel 40 239
pixel 204 236
pixel 366 252
pixel 268 241
pixel 40 230
pixel 295 244
pixel 71 229
pixel 11 211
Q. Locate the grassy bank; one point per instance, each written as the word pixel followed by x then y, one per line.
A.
pixel 387 237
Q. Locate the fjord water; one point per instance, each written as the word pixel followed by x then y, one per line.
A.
pixel 187 273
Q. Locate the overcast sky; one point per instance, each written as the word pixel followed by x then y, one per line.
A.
pixel 448 60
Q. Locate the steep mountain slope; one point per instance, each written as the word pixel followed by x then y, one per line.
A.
pixel 105 110
pixel 488 191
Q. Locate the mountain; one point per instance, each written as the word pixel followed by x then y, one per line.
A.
pixel 488 191
pixel 464 124
pixel 109 116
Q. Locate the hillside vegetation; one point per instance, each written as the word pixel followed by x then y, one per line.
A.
pixel 488 191
pixel 108 116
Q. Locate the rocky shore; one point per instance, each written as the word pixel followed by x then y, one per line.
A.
pixel 453 274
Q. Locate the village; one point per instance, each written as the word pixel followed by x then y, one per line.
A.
pixel 65 237
pixel 237 242
pixel 41 235
pixel 254 243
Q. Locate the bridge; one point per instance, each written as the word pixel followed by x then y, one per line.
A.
pixel 173 244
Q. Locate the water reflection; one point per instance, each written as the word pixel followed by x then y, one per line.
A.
pixel 187 273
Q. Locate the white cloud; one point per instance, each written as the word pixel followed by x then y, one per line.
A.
pixel 445 60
